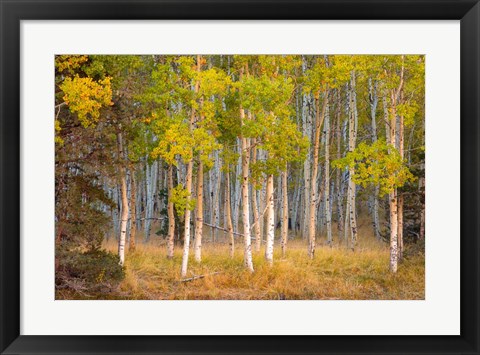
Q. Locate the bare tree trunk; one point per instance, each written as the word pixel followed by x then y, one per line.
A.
pixel 400 196
pixel 123 191
pixel 216 194
pixel 245 199
pixel 393 231
pixel 338 181
pixel 199 216
pixel 256 222
pixel 228 211
pixel 373 112
pixel 188 212
pixel 307 132
pixel 237 190
pixel 347 218
pixel 328 213
pixel 386 119
pixel 285 212
pixel 400 227
pixel 133 227
pixel 352 138
pixel 394 94
pixel 151 179
pixel 319 117
pixel 171 215
pixel 188 184
pixel 271 221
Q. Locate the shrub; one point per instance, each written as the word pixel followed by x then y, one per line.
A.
pixel 87 271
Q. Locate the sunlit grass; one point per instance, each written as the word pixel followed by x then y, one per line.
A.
pixel 334 273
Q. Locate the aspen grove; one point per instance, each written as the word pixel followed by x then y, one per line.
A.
pixel 238 176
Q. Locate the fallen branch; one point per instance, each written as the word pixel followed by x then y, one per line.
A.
pixel 196 277
pixel 222 229
pixel 258 220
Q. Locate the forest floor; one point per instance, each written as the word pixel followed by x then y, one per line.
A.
pixel 335 273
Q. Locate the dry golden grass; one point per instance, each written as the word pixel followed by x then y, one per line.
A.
pixel 334 273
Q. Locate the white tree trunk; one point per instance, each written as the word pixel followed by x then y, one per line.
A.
pixel 151 179
pixel 133 226
pixel 307 175
pixel 400 197
pixel 237 190
pixel 319 117
pixel 186 238
pixel 256 221
pixel 188 184
pixel 228 211
pixel 373 113
pixel 393 231
pixel 171 215
pixel 328 213
pixel 352 138
pixel 216 194
pixel 270 221
pixel 285 212
pixel 199 216
pixel 245 199
pixel 400 227
pixel 124 214
pixel 339 182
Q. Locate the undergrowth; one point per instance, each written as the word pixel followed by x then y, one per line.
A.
pixel 335 273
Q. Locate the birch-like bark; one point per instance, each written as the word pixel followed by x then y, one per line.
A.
pixel 307 175
pixel 228 212
pixel 171 215
pixel 256 222
pixel 123 191
pixel 400 196
pixel 393 231
pixel 285 212
pixel 400 227
pixel 133 226
pixel 138 207
pixel 373 112
pixel 386 119
pixel 319 117
pixel 199 216
pixel 394 94
pixel 346 229
pixel 263 201
pixel 237 190
pixel 216 194
pixel 188 212
pixel 270 221
pixel 338 180
pixel 328 213
pixel 352 138
pixel 151 179
pixel 245 198
pixel 188 184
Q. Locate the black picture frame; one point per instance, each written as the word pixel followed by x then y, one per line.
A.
pixel 13 11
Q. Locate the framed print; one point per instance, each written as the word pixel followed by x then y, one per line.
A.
pixel 239 177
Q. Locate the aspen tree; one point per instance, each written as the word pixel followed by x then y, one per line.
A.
pixel 256 217
pixel 373 98
pixel 245 197
pixel 284 211
pixel 133 227
pixel 352 138
pixel 328 213
pixel 123 189
pixel 189 178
